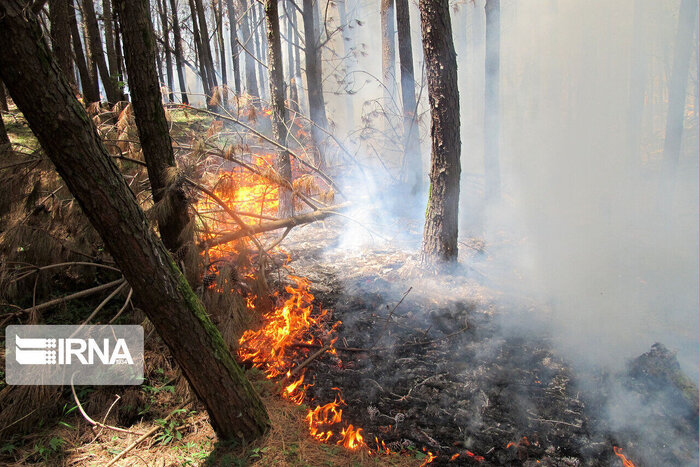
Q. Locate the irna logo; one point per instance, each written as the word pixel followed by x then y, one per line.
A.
pixel 97 355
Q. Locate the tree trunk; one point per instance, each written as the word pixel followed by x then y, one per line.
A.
pixel 163 13
pixel 3 98
pixel 139 45
pixel 118 50
pixel 204 30
pixel 388 54
pixel 677 90
pixel 197 37
pixel 413 166
pixel 348 50
pixel 219 13
pixel 60 36
pixel 91 91
pixel 279 111
pixel 314 81
pixel 492 119
pixel 293 55
pixel 441 218
pixel 96 53
pixel 233 31
pixel 4 139
pixel 178 53
pixel 108 21
pixel 70 140
pixel 256 48
pixel 251 83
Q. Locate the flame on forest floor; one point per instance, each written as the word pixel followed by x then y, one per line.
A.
pixel 626 462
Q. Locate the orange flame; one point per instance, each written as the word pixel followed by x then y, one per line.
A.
pixel 352 438
pixel 626 462
pixel 429 460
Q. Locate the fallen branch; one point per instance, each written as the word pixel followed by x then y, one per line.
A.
pixel 146 435
pixel 306 362
pixel 81 294
pixel 275 225
pixel 90 420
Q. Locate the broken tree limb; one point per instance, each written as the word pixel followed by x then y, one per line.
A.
pixel 275 225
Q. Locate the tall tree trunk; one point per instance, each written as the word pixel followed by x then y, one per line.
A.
pixel 441 218
pixel 314 81
pixel 139 45
pixel 118 50
pixel 178 53
pixel 492 109
pixel 388 53
pixel 279 111
pixel 91 91
pixel 70 140
pixel 256 48
pixel 222 51
pixel 349 62
pixel 204 30
pixel 677 90
pixel 233 32
pixel 3 98
pixel 413 166
pixel 4 139
pixel 163 13
pixel 293 55
pixel 60 36
pixel 251 83
pixel 108 22
pixel 197 37
pixel 96 53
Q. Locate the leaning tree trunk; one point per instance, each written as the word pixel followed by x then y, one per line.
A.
pixel 91 91
pixel 178 53
pixel 412 164
pixel 70 140
pixel 441 217
pixel 677 91
pixel 388 53
pixel 492 112
pixel 251 83
pixel 279 111
pixel 233 32
pixel 97 55
pixel 139 47
pixel 314 82
pixel 60 36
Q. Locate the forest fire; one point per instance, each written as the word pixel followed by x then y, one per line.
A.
pixel 626 462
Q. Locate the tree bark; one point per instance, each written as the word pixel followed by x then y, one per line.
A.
pixel 251 83
pixel 197 37
pixel 163 13
pixel 3 98
pixel 206 46
pixel 178 53
pixel 279 111
pixel 314 81
pixel 4 139
pixel 139 45
pixel 60 36
pixel 108 21
pixel 291 31
pixel 256 47
pixel 233 32
pixel 70 140
pixel 677 90
pixel 219 13
pixel 441 218
pixel 492 109
pixel 96 53
pixel 413 166
pixel 388 53
pixel 89 86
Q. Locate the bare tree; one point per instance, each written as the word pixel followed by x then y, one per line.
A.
pixel 412 164
pixel 441 218
pixel 492 119
pixel 70 140
pixel 139 45
pixel 279 110
pixel 314 81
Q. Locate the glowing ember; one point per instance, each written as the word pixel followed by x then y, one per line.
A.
pixel 429 460
pixel 626 462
